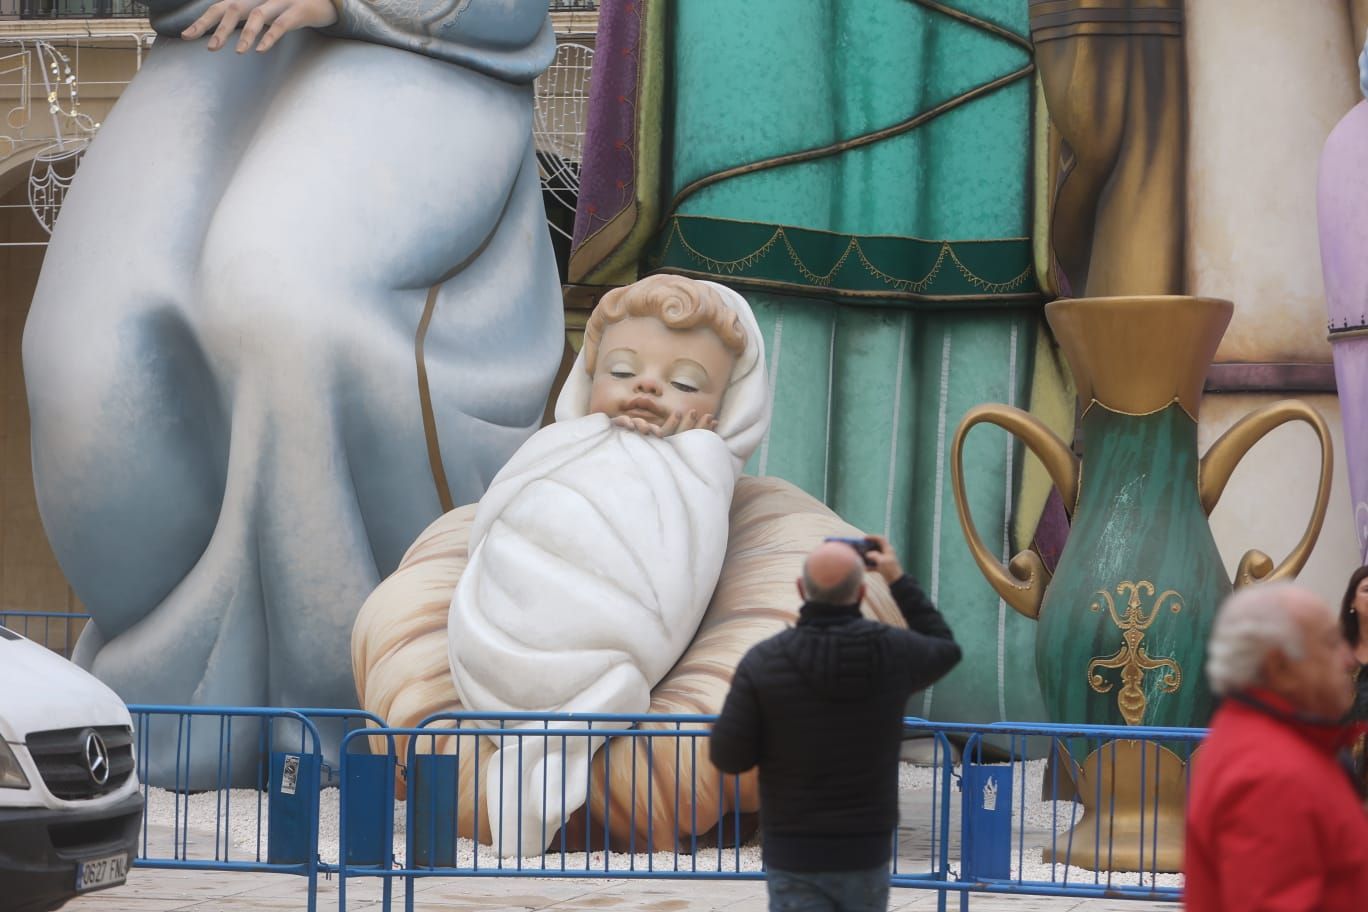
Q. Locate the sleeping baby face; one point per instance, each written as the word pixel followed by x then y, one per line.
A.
pixel 647 371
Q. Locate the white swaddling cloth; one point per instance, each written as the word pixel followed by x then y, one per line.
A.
pixel 594 555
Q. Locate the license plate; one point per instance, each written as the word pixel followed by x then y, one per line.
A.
pixel 101 872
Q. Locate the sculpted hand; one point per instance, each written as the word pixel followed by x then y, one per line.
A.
pixel 883 559
pixel 640 425
pixel 275 16
pixel 678 423
pixel 694 421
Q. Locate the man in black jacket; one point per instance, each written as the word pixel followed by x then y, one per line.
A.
pixel 819 707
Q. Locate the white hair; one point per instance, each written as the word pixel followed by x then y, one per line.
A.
pixel 1251 624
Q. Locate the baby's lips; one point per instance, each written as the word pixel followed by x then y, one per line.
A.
pixel 645 404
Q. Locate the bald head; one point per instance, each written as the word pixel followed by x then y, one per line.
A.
pixel 833 574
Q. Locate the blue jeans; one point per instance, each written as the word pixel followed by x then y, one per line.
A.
pixel 828 891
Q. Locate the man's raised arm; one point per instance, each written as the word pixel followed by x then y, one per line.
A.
pixel 931 645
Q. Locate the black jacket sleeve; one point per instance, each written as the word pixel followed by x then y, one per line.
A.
pixel 931 647
pixel 735 741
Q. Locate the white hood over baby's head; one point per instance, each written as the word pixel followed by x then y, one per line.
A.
pixel 745 414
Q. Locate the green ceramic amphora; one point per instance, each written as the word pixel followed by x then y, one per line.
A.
pixel 1123 623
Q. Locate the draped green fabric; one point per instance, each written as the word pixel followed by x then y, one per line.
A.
pixel 872 365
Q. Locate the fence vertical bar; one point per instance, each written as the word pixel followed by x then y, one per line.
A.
pixel 945 771
pixel 632 817
pixel 565 820
pixel 410 791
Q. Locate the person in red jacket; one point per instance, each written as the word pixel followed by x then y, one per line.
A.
pixel 1274 822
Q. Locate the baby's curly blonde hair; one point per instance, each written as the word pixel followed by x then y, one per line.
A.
pixel 677 302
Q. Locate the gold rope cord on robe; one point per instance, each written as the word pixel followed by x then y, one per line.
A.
pixel 434 446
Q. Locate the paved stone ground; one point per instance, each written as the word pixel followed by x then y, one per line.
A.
pixel 184 891
pixel 150 890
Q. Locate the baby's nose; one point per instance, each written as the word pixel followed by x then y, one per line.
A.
pixel 648 384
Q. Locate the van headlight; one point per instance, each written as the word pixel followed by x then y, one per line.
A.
pixel 11 773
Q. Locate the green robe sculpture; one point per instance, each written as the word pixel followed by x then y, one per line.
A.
pixel 862 173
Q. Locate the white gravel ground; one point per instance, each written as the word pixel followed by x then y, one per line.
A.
pixel 233 825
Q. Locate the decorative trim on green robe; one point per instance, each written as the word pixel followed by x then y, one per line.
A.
pixel 870 269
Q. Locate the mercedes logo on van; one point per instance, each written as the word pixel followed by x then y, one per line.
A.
pixel 97 758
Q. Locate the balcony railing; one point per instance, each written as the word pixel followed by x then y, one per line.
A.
pixel 135 9
pixel 72 9
pixel 40 74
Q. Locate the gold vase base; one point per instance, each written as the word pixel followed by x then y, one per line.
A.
pixel 1134 794
pixel 1123 845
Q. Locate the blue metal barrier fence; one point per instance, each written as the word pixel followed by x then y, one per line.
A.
pixel 690 826
pixel 1102 816
pixel 269 822
pixel 1094 817
pixel 57 630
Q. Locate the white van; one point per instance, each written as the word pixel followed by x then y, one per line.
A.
pixel 70 805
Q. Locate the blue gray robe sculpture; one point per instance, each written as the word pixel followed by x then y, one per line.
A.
pixel 228 442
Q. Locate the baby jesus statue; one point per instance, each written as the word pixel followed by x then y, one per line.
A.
pixel 595 551
pixel 619 563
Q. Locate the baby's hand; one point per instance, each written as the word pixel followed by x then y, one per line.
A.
pixel 640 425
pixel 677 423
pixel 690 422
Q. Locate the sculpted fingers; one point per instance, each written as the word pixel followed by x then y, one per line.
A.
pixel 694 421
pixel 283 24
pixel 704 422
pixel 256 21
pixel 266 20
pixel 672 425
pixel 298 14
pixel 229 16
pixel 640 425
pixel 225 28
pixel 207 20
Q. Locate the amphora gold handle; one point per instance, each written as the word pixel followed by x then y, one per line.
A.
pixel 1225 454
pixel 1022 582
